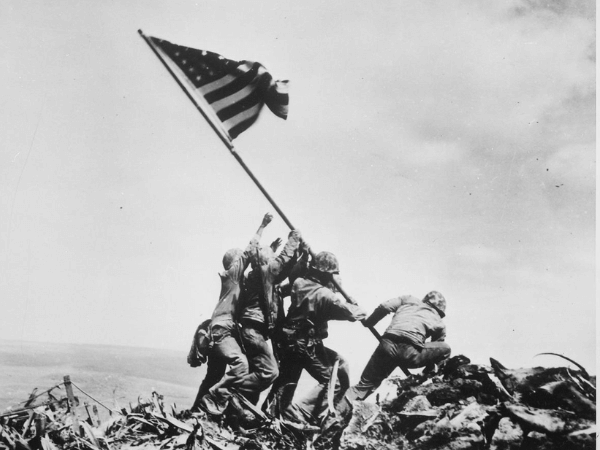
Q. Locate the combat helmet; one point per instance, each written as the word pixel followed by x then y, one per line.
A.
pixel 326 262
pixel 230 256
pixel 436 301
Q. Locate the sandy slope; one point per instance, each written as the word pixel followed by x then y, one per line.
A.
pixel 115 375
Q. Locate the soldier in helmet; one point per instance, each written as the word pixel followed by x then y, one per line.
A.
pixel 404 342
pixel 313 304
pixel 261 309
pixel 226 349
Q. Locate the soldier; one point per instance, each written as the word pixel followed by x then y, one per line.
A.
pixel 226 349
pixel 215 369
pixel 402 345
pixel 260 310
pixel 404 341
pixel 313 303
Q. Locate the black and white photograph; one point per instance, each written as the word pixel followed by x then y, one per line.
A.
pixel 315 225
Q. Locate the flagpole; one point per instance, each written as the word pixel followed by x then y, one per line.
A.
pixel 291 227
pixel 223 138
pixel 231 148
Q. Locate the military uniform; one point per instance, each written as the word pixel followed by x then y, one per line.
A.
pixel 304 329
pixel 260 310
pixel 404 341
pixel 226 349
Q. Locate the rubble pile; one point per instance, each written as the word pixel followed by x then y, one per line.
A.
pixel 462 406
pixel 50 426
pixel 471 406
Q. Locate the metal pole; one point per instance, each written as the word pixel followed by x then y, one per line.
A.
pixel 239 159
pixel 291 227
pixel 262 189
pixel 71 400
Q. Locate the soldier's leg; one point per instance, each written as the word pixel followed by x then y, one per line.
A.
pixel 215 369
pixel 282 392
pixel 320 366
pixel 382 363
pixel 227 349
pixel 263 366
pixel 431 353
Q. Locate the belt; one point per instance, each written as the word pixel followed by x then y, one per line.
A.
pixel 249 323
pixel 402 340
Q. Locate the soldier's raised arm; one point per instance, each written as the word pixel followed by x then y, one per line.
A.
pixel 236 261
pixel 256 238
pixel 382 310
pixel 281 265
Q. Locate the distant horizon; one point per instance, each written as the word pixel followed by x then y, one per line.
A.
pixel 167 349
pixel 110 373
pixel 446 146
pixel 591 371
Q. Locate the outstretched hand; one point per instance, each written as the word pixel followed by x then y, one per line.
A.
pixel 275 244
pixel 267 219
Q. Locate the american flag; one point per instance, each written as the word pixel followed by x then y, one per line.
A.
pixel 235 91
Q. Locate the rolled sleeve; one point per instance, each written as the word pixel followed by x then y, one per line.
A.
pixel 282 260
pixel 338 310
pixel 383 310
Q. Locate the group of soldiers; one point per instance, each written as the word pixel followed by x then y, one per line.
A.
pixel 250 312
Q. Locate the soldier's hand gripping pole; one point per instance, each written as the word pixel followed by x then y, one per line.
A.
pixel 241 162
pixel 371 329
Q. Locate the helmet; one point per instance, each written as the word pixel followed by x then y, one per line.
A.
pixel 326 262
pixel 436 301
pixel 230 256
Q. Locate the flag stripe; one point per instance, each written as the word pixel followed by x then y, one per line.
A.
pixel 228 101
pixel 217 84
pixel 242 121
pixel 248 102
pixel 234 86
pixel 243 126
pixel 244 115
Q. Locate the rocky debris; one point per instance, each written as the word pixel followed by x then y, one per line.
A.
pixel 507 435
pixel 462 406
pixel 556 387
pixel 470 406
pixel 50 426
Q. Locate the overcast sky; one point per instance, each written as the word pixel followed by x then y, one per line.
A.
pixel 430 145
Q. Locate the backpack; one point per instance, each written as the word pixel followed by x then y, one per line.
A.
pixel 201 345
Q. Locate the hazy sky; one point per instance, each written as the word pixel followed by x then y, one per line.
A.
pixel 430 145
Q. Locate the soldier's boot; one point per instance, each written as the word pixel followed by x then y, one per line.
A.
pixel 334 425
pixel 215 402
pixel 245 417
